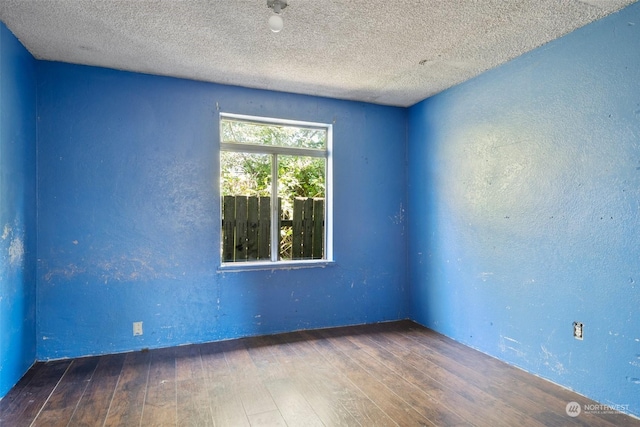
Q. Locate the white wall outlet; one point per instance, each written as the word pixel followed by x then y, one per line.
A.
pixel 578 330
pixel 137 328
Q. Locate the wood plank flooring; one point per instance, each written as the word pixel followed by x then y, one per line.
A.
pixel 391 374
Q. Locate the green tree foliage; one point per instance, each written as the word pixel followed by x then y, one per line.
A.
pixel 249 174
pixel 245 174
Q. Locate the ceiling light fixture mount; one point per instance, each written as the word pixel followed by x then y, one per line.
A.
pixel 275 21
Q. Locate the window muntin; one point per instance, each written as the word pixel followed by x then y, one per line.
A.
pixel 263 157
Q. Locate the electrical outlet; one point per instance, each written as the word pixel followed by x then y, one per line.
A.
pixel 578 330
pixel 137 328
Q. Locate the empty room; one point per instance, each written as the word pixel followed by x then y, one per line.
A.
pixel 319 213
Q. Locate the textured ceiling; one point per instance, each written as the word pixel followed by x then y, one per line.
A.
pixel 394 52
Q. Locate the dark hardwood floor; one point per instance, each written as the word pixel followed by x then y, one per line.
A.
pixel 378 375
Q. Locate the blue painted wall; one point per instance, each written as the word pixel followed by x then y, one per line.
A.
pixel 524 211
pixel 129 216
pixel 17 210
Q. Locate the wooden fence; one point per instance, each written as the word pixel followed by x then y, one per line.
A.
pixel 246 229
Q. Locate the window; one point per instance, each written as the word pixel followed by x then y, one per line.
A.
pixel 275 186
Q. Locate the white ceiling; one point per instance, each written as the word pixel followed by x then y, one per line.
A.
pixel 394 52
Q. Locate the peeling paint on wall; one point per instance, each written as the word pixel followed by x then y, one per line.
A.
pixel 16 252
pixel 6 232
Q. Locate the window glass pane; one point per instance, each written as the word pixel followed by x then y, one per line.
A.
pixel 245 132
pixel 301 194
pixel 273 198
pixel 245 174
pixel 245 182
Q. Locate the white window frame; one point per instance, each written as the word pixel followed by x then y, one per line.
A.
pixel 327 154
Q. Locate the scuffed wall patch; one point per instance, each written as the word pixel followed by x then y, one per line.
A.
pixel 135 266
pixel 399 217
pixel 6 232
pixel 16 252
pixel 552 361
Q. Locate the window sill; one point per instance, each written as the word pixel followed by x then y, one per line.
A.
pixel 281 265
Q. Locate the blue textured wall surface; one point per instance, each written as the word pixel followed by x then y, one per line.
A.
pixel 129 221
pixel 524 203
pixel 17 210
